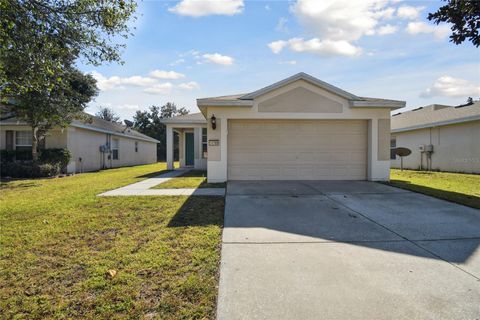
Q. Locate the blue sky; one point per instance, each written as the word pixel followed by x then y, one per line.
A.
pixel 183 50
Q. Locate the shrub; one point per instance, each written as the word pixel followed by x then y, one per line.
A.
pixel 29 169
pixel 12 155
pixel 56 156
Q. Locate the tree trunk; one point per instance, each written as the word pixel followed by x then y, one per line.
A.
pixel 34 143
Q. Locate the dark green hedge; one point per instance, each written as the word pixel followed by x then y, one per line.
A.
pixel 18 164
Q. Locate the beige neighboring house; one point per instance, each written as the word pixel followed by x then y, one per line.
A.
pixel 300 128
pixel 440 137
pixel 94 145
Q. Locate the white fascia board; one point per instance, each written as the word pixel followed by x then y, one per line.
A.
pixel 374 104
pixel 224 103
pixel 437 124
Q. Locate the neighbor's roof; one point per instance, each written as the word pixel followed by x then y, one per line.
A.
pixel 98 125
pixel 186 118
pixel 434 115
pixel 247 99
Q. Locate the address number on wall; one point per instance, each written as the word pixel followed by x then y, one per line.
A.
pixel 213 143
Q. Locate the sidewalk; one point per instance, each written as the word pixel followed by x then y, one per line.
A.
pixel 143 188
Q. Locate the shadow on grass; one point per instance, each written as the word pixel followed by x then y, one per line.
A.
pixel 199 211
pixel 153 174
pixel 8 184
pixel 460 198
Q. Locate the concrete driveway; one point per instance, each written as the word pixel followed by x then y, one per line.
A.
pixel 346 250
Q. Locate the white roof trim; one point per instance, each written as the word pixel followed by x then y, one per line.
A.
pixel 378 104
pixel 437 124
pixel 216 102
pixel 182 121
pixel 300 76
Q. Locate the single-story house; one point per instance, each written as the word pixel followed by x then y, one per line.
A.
pixel 296 129
pixel 94 145
pixel 441 137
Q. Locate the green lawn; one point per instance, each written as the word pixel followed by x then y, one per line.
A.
pixel 192 179
pixel 456 187
pixel 58 240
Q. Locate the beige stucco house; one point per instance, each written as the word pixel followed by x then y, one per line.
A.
pixel 440 137
pixel 296 129
pixel 94 145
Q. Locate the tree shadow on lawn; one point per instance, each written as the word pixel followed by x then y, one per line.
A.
pixel 452 196
pixel 153 174
pixel 199 211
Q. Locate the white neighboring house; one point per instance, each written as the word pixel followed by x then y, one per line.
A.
pixel 440 137
pixel 94 145
pixel 300 128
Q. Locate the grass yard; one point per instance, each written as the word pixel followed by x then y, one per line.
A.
pixel 191 180
pixel 58 241
pixel 455 187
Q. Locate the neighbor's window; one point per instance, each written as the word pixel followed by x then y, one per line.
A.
pixel 204 143
pixel 23 140
pixel 136 146
pixel 393 145
pixel 115 145
pixel 23 143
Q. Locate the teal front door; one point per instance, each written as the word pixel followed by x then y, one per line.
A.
pixel 189 149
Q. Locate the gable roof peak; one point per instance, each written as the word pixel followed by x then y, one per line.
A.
pixel 300 76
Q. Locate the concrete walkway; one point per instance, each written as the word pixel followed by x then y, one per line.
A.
pixel 143 188
pixel 346 250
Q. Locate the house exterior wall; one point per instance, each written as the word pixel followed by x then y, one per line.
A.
pixel 85 144
pixel 217 155
pixel 456 148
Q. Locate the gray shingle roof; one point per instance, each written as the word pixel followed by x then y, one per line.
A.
pixel 187 118
pixel 434 115
pixel 95 124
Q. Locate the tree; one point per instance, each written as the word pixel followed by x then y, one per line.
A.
pixel 108 114
pixel 464 15
pixel 40 38
pixel 40 42
pixel 44 110
pixel 149 124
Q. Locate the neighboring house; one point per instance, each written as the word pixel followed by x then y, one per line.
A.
pixel 300 128
pixel 440 137
pixel 94 145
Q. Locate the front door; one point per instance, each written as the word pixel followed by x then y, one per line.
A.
pixel 189 149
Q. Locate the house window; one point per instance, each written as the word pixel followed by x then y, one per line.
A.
pixel 393 145
pixel 136 146
pixel 23 139
pixel 115 145
pixel 204 143
pixel 23 145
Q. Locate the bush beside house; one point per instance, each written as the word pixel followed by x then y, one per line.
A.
pixel 18 164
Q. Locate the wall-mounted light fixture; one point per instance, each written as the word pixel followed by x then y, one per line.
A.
pixel 213 121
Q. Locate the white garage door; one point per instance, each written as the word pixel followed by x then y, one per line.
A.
pixel 297 149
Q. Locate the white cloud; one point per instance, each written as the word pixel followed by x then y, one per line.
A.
pixel 177 62
pixel 159 88
pixel 387 29
pixel 116 82
pixel 447 86
pixel 282 25
pixel 277 46
pixel 418 27
pixel 317 46
pixel 409 12
pixel 291 62
pixel 345 20
pixel 161 74
pixel 200 8
pixel 217 58
pixel 192 85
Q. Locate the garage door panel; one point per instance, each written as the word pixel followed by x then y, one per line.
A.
pixel 297 149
